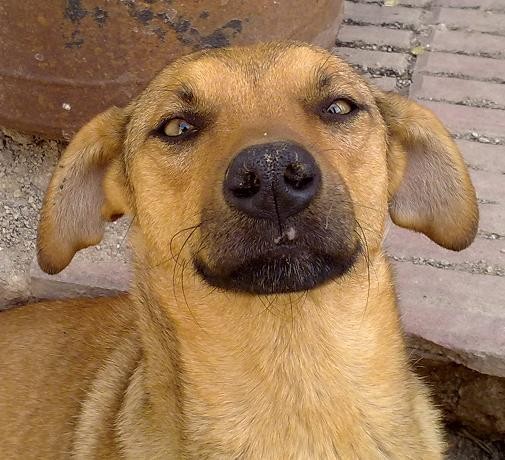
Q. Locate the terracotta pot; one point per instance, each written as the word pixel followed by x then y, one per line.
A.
pixel 64 61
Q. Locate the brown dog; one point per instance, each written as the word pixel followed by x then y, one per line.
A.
pixel 262 320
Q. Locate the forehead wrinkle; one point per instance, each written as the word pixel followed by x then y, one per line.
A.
pixel 220 82
pixel 299 70
pixel 255 63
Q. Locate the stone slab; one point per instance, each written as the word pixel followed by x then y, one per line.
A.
pixel 384 83
pixel 101 270
pixel 462 312
pixel 85 276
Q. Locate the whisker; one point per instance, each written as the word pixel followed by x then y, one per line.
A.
pixel 185 242
pixel 369 265
pixel 268 306
pixel 185 297
pixel 366 255
pixel 193 227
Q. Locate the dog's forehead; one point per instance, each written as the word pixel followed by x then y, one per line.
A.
pixel 280 68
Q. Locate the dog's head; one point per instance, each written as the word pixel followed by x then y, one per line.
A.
pixel 272 168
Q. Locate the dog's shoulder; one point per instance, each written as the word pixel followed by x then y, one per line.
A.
pixel 50 353
pixel 53 324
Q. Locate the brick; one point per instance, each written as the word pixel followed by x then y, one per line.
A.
pixel 379 14
pixel 372 35
pixel 461 312
pixel 468 43
pixel 489 189
pixel 489 186
pixel 413 3
pixel 482 253
pixel 458 90
pixel 463 120
pixel 477 68
pixel 384 83
pixel 395 62
pixel 492 219
pixel 495 5
pixel 477 20
pixel 486 157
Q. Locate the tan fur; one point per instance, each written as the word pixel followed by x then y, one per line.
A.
pixel 177 369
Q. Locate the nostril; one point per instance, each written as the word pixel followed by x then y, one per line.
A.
pixel 298 175
pixel 248 185
pixel 271 181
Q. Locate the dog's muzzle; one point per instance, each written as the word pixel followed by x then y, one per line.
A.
pixel 278 230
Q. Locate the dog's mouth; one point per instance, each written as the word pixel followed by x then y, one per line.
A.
pixel 283 269
pixel 278 255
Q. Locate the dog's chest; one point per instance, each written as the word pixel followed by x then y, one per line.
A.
pixel 285 422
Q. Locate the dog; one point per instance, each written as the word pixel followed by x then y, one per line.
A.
pixel 262 320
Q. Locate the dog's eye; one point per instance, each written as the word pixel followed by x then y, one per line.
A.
pixel 177 127
pixel 340 107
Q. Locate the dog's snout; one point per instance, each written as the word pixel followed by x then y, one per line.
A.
pixel 272 181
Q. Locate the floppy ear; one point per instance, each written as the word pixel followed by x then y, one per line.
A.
pixel 429 187
pixel 86 189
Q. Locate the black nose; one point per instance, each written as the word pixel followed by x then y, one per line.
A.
pixel 272 181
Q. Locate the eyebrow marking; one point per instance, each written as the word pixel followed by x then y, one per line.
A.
pixel 324 80
pixel 186 94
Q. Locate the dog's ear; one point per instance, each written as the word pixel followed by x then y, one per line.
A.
pixel 87 188
pixel 429 187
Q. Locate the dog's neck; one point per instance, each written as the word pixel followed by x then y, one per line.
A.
pixel 266 363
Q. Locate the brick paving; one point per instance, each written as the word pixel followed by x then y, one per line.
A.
pixel 455 300
pixel 465 87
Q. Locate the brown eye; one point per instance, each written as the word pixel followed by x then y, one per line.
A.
pixel 339 107
pixel 177 127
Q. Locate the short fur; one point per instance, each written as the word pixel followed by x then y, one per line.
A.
pixel 176 369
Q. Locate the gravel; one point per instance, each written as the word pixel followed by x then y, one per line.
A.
pixel 26 165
